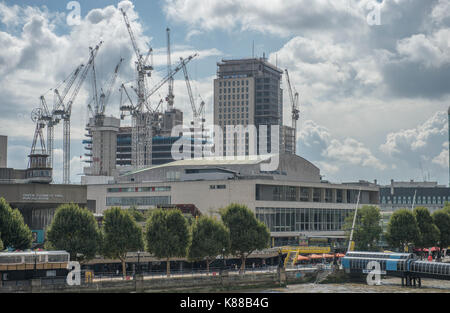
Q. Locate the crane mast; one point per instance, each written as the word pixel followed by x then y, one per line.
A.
pixel 294 97
pixel 67 112
pixel 141 134
pixel 197 115
pixel 170 95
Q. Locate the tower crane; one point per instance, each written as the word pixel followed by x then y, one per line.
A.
pixel 294 97
pixel 141 134
pixel 53 117
pixel 197 115
pixel 65 113
pixel 170 95
pixel 103 101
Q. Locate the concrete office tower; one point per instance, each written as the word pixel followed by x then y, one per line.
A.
pixel 247 92
pixel 103 131
pixel 3 151
pixel 287 144
pixel 171 118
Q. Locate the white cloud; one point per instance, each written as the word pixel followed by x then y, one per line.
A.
pixel 353 152
pixel 35 57
pixel 433 50
pixel 410 140
pixel 280 17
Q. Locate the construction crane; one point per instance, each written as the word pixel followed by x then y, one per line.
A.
pixel 65 112
pixel 166 78
pixel 170 95
pixel 141 134
pixel 100 108
pixel 196 113
pixel 53 117
pixel 294 97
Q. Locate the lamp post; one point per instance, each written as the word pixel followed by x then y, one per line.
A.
pixel 139 264
pixel 223 257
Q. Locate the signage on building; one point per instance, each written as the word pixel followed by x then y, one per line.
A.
pixel 41 197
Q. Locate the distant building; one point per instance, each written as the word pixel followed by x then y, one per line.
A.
pixel 3 151
pixel 413 194
pixel 101 145
pixel 248 92
pixel 292 200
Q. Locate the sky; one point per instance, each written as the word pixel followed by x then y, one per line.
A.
pixel 373 75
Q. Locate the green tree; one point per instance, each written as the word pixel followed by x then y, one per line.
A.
pixel 15 233
pixel 210 238
pixel 74 230
pixel 428 232
pixel 247 234
pixel 402 229
pixel 368 230
pixel 137 215
pixel 441 219
pixel 1 244
pixel 121 234
pixel 167 235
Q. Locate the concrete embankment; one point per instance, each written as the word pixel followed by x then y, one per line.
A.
pixel 217 283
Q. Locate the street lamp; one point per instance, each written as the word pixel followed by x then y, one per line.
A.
pixel 223 256
pixel 139 264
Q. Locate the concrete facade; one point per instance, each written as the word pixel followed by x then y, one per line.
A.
pixel 248 92
pixel 412 194
pixel 103 149
pixel 38 202
pixel 3 151
pixel 292 201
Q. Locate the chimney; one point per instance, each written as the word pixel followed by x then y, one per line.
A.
pixel 392 187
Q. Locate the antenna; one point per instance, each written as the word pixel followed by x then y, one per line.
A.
pixel 253 50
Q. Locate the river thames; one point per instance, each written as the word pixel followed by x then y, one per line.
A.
pixel 389 285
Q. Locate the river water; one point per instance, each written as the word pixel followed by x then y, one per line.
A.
pixel 388 285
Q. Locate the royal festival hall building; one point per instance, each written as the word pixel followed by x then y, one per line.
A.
pixel 292 201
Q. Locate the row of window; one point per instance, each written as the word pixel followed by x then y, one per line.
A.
pixel 234 97
pixel 306 194
pixel 234 90
pixel 302 219
pixel 140 189
pixel 138 201
pixel 233 103
pixel 217 186
pixel 418 200
pixel 233 110
pixel 234 115
pixel 233 83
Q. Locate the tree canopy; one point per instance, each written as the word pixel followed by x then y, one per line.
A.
pixel 428 232
pixel 367 230
pixel 402 229
pixel 210 238
pixel 137 215
pixel 167 235
pixel 441 219
pixel 121 234
pixel 75 230
pixel 14 232
pixel 247 234
pixel 1 244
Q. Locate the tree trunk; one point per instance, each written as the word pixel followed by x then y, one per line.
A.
pixel 124 268
pixel 242 264
pixel 168 267
pixel 207 266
